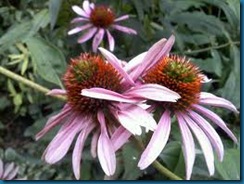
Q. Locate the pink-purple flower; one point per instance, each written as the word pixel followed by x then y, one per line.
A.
pixel 102 102
pixel 180 75
pixel 97 21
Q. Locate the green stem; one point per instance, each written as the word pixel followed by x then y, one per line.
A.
pixel 27 82
pixel 213 47
pixel 163 170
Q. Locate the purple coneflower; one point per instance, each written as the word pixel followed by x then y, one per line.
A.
pixel 8 171
pixel 97 21
pixel 180 75
pixel 101 100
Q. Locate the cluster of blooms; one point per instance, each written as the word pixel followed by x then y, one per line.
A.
pixel 106 100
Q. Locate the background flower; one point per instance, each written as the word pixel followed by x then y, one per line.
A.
pixel 97 20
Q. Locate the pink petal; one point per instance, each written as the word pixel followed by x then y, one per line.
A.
pixel 78 29
pixel 1 168
pixel 110 41
pixel 204 143
pixel 106 153
pixel 8 168
pixel 79 145
pixel 210 99
pixel 87 35
pixel 54 120
pixel 79 11
pixel 105 94
pixel 154 54
pixel 79 19
pixel 120 137
pixel 94 143
pixel 97 39
pixel 13 173
pixel 61 143
pixel 133 117
pixel 157 142
pixel 132 64
pixel 114 61
pixel 54 92
pixel 124 29
pixel 188 146
pixel 215 119
pixel 210 132
pixel 153 92
pixel 86 7
pixel 124 17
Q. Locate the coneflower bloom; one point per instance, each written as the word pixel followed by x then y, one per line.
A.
pixel 102 101
pixel 97 21
pixel 8 171
pixel 183 77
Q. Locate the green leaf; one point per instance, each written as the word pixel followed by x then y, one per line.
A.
pixel 139 8
pixel 229 169
pixel 20 32
pixel 231 89
pixel 130 157
pixel 49 60
pixel 54 7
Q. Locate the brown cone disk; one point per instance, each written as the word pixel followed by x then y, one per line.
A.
pixel 102 16
pixel 180 76
pixel 86 72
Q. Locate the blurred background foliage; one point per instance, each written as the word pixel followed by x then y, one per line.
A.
pixel 34 43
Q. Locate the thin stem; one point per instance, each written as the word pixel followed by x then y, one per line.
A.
pixel 163 170
pixel 213 47
pixel 27 82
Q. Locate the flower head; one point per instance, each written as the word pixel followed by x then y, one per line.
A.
pixel 180 75
pixel 8 171
pixel 102 100
pixel 97 21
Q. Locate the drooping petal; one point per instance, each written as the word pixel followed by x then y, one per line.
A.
pixel 133 117
pixel 204 143
pixel 110 41
pixel 132 64
pixel 12 174
pixel 105 149
pixel 210 99
pixel 97 39
pixel 7 169
pixel 94 143
pixel 61 143
pixel 120 137
pixel 86 7
pixel 124 29
pixel 79 145
pixel 79 29
pixel 1 168
pixel 105 94
pixel 79 11
pixel 54 120
pixel 87 35
pixel 124 17
pixel 153 92
pixel 114 61
pixel 188 146
pixel 79 19
pixel 211 134
pixel 57 92
pixel 157 142
pixel 157 51
pixel 215 119
pixel 205 79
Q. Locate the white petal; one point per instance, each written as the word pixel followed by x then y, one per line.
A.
pixel 79 11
